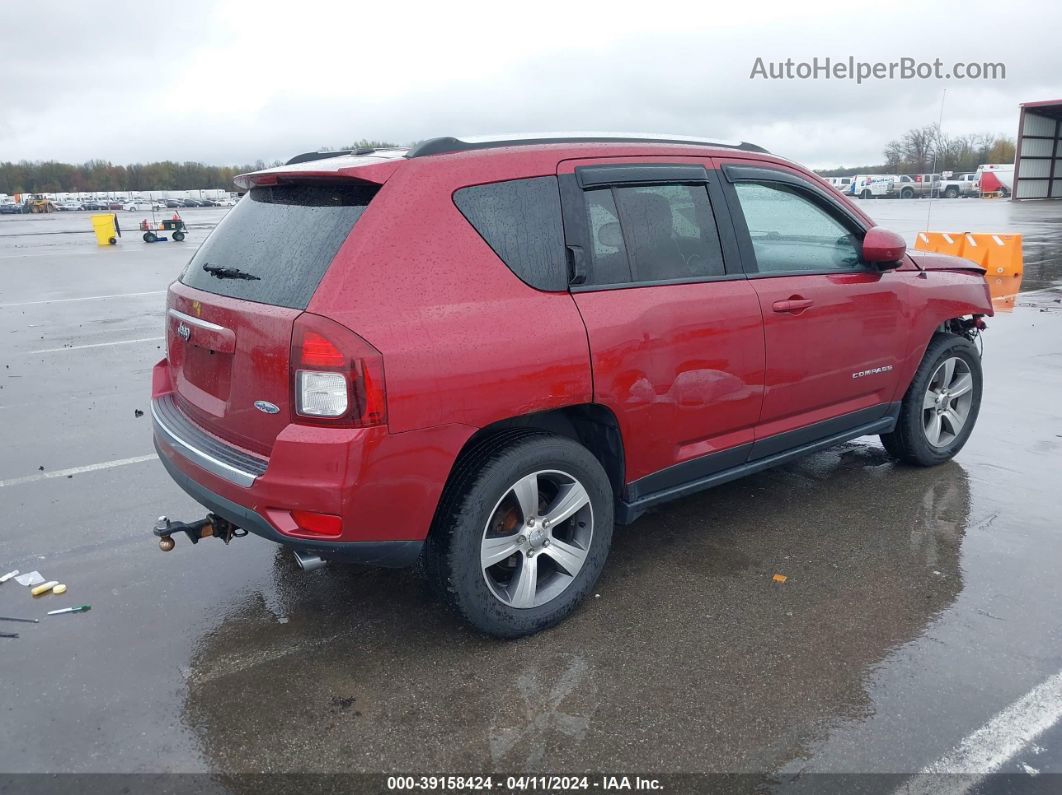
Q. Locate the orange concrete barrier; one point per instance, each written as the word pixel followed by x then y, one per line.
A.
pixel 999 255
pixel 940 243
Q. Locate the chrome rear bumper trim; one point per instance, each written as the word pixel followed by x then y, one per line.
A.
pixel 202 449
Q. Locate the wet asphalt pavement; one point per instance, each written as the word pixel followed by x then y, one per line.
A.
pixel 918 604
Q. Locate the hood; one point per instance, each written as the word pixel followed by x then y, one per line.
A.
pixel 943 262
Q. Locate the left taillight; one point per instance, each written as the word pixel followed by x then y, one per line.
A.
pixel 337 377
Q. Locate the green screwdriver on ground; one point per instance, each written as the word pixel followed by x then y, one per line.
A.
pixel 78 609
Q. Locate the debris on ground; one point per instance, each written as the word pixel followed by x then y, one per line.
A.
pixel 779 578
pixel 8 576
pixel 78 609
pixel 40 590
pixel 8 634
pixel 29 579
pixel 23 620
pixel 138 413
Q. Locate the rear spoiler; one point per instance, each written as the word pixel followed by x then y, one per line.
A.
pixel 373 170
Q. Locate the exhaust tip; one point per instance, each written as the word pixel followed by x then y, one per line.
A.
pixel 307 560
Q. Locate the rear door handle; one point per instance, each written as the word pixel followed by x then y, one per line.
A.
pixel 794 305
pixel 577 270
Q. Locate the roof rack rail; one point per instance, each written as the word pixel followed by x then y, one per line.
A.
pixel 306 157
pixel 450 144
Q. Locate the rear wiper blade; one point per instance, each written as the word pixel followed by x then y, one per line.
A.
pixel 221 272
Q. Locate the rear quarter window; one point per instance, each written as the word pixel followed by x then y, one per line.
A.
pixel 521 220
pixel 282 238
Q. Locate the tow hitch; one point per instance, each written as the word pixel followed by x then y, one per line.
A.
pixel 212 525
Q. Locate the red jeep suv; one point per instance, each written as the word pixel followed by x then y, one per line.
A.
pixel 482 353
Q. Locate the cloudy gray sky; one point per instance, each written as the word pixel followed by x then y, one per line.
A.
pixel 232 81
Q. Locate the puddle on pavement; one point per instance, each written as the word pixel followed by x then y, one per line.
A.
pixel 690 645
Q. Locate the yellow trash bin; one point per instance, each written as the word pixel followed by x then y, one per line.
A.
pixel 106 229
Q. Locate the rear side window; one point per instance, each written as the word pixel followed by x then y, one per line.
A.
pixel 274 246
pixel 652 233
pixel 521 220
pixel 610 264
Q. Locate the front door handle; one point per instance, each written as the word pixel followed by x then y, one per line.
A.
pixel 794 305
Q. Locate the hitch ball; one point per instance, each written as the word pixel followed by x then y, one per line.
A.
pixel 166 543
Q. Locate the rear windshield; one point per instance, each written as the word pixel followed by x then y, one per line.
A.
pixel 274 246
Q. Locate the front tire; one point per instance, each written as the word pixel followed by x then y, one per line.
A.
pixel 522 535
pixel 940 407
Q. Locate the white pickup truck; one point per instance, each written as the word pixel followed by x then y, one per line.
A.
pixel 956 185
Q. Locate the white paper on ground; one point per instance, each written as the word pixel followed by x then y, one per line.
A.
pixel 29 579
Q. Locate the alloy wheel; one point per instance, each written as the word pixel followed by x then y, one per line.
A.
pixel 537 539
pixel 947 402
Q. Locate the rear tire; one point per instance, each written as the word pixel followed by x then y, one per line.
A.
pixel 940 408
pixel 498 509
pixel 951 193
pixel 178 236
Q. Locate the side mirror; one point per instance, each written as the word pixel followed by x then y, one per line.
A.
pixel 883 248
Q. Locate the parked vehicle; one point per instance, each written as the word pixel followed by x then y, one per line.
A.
pixel 137 205
pixel 871 186
pixel 13 208
pixel 958 185
pixel 172 203
pixel 996 178
pixel 495 411
pixel 914 186
pixel 39 203
pixel 94 204
pixel 841 183
pixel 192 202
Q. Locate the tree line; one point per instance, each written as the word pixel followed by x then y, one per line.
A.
pixel 919 150
pixel 929 149
pixel 100 176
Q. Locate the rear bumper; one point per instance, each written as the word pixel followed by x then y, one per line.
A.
pixel 383 486
pixel 391 554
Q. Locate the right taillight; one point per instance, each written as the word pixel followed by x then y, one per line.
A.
pixel 338 378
